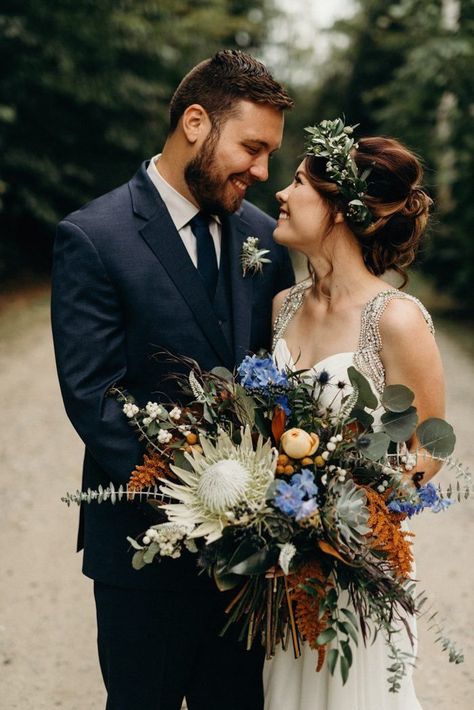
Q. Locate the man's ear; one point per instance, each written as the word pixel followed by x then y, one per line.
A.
pixel 196 123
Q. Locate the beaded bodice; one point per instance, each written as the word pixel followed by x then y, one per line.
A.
pixel 367 357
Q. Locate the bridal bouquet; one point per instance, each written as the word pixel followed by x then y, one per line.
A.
pixel 296 506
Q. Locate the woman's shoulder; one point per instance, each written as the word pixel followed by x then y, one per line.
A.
pixel 403 316
pixel 288 294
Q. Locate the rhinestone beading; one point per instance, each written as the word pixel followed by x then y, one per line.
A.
pixel 290 305
pixel 367 357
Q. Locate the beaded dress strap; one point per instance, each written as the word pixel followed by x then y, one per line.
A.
pixel 367 358
pixel 290 305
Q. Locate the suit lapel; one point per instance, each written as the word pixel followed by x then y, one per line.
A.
pixel 236 230
pixel 161 236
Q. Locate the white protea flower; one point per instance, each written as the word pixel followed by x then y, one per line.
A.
pixel 287 553
pixel 223 477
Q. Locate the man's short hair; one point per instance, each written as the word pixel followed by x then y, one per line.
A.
pixel 219 83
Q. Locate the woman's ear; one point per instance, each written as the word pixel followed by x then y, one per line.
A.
pixel 195 123
pixel 339 218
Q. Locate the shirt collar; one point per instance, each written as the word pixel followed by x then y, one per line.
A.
pixel 181 209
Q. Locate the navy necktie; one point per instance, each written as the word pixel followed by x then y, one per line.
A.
pixel 206 253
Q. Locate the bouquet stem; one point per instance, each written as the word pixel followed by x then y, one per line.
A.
pixel 291 616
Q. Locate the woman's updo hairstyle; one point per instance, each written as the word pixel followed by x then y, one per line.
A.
pixel 399 205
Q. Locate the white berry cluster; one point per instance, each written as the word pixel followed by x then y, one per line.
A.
pixel 164 436
pixel 175 414
pixel 336 472
pixel 331 446
pixel 168 537
pixel 154 411
pixel 130 410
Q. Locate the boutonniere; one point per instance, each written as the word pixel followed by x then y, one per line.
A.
pixel 253 258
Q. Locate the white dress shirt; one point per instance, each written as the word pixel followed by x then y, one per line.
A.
pixel 182 211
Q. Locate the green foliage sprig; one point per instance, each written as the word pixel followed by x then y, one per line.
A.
pixel 333 141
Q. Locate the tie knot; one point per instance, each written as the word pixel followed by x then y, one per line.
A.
pixel 199 221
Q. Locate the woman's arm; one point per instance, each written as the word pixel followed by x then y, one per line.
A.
pixel 411 358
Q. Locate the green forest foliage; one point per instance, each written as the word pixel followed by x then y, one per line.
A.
pixel 85 87
pixel 84 92
pixel 408 71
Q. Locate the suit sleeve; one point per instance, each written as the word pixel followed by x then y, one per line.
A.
pixel 89 341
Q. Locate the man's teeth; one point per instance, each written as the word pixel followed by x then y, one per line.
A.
pixel 241 185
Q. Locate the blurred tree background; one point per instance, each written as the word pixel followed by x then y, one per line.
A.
pixel 85 88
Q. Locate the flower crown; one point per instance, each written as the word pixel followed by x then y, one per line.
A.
pixel 332 140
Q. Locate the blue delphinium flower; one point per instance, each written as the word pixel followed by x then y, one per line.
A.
pixel 261 373
pixel 405 507
pixel 428 497
pixel 305 482
pixel 295 498
pixel 307 508
pixel 282 401
pixel 288 498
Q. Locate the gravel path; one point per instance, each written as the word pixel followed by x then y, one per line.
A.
pixel 47 629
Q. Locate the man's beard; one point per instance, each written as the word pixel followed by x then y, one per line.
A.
pixel 205 182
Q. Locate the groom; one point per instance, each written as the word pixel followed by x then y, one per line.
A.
pixel 156 264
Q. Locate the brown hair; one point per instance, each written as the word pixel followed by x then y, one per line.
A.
pixel 399 205
pixel 218 83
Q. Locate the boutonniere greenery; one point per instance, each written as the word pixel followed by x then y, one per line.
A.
pixel 253 258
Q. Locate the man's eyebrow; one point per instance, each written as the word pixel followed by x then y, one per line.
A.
pixel 260 142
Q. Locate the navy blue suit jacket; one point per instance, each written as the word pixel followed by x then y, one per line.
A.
pixel 123 287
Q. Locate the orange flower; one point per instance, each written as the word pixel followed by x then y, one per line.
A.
pixel 149 472
pixel 307 605
pixel 278 424
pixel 387 535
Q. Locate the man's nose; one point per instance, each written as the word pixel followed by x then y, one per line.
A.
pixel 259 169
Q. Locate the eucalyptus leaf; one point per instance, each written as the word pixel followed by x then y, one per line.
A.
pixel 363 417
pixel 150 552
pixel 134 544
pixel 344 666
pixel 366 396
pixel 375 445
pixel 400 425
pixel 333 655
pixel 436 436
pixel 326 637
pixel 351 616
pixel 137 560
pixel 397 398
pixel 347 651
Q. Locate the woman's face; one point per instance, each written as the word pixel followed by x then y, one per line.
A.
pixel 304 217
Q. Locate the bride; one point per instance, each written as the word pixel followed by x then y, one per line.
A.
pixel 355 210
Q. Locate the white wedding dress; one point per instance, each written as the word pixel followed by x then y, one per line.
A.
pixel 293 684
